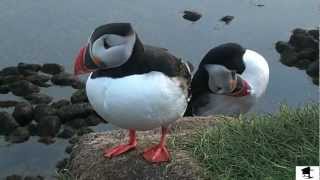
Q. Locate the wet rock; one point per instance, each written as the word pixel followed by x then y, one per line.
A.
pixel 303 63
pixel 46 140
pixel 289 58
pixel 93 120
pixel 79 96
pixel 69 149
pixel 62 164
pixel 314 33
pixel 77 123
pixel 38 98
pixel 79 110
pixel 227 19
pixel 302 41
pixel 14 177
pixel 28 69
pixel 49 126
pixel 84 130
pixel 191 15
pixel 60 103
pixel 39 79
pixel 313 69
pixel 19 135
pixel 282 46
pixel 9 71
pixel 66 133
pixel 23 88
pixel 4 89
pixel 51 68
pixel 8 104
pixel 23 113
pixel 311 54
pixel 64 79
pixel 33 128
pixel 7 123
pixel 43 110
pixel 33 178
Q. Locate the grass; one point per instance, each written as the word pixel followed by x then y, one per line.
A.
pixel 259 147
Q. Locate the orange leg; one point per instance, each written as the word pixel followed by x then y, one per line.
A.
pixel 122 148
pixel 158 153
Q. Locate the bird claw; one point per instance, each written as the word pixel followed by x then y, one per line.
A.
pixel 157 154
pixel 120 149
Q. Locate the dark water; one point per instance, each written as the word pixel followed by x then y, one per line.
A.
pixel 53 31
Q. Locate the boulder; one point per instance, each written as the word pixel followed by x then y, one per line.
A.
pixel 8 103
pixel 33 128
pixel 7 123
pixel 4 89
pixel 64 79
pixel 46 140
pixel 43 110
pixel 12 70
pixel 23 88
pixel 282 46
pixel 39 79
pixel 23 113
pixel 227 19
pixel 289 58
pixel 49 126
pixel 314 33
pixel 52 68
pixel 302 41
pixel 313 69
pixel 311 54
pixel 38 98
pixel 6 80
pixel 84 130
pixel 14 177
pixel 80 110
pixel 66 133
pixel 79 96
pixel 93 120
pixel 77 123
pixel 28 69
pixel 19 135
pixel 60 103
pixel 191 15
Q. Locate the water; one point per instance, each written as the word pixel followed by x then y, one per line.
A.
pixel 53 31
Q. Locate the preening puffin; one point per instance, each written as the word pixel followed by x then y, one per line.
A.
pixel 133 86
pixel 229 80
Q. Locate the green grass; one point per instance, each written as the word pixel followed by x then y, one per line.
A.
pixel 260 147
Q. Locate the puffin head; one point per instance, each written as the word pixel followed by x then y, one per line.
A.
pixel 221 69
pixel 109 46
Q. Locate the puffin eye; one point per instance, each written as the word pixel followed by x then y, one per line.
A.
pixel 218 88
pixel 105 44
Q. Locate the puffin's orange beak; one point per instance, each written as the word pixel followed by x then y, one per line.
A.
pixel 79 65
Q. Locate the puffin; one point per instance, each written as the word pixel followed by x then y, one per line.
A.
pixel 229 81
pixel 133 86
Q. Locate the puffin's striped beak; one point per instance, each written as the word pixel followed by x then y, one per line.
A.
pixel 79 63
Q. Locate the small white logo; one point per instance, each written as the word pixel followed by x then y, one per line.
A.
pixel 307 172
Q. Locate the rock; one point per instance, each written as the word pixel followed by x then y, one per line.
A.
pixel 9 71
pixel 49 126
pixel 302 63
pixel 289 58
pixel 314 33
pixel 6 80
pixel 50 68
pixel 79 96
pixel 14 177
pixel 78 85
pixel 298 31
pixel 93 120
pixel 80 110
pixel 311 54
pixel 77 123
pixel 64 79
pixel 302 41
pixel 23 113
pixel 43 110
pixel 62 164
pixel 88 154
pixel 66 133
pixel 46 140
pixel 7 123
pixel 191 15
pixel 4 89
pixel 69 149
pixel 33 128
pixel 33 178
pixel 8 104
pixel 227 19
pixel 260 5
pixel 28 69
pixel 38 98
pixel 39 79
pixel 59 104
pixel 74 140
pixel 84 130
pixel 19 135
pixel 282 46
pixel 313 69
pixel 23 88
pixel 315 81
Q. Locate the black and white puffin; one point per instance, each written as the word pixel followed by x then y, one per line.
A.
pixel 229 81
pixel 133 86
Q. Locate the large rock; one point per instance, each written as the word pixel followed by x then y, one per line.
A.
pixel 8 103
pixel 38 98
pixel 19 135
pixel 39 79
pixel 28 69
pixel 302 41
pixel 49 126
pixel 191 15
pixel 23 113
pixel 64 79
pixel 60 103
pixel 4 89
pixel 43 110
pixel 51 68
pixel 80 110
pixel 12 70
pixel 88 154
pixel 77 123
pixel 23 88
pixel 6 80
pixel 313 69
pixel 7 123
pixel 66 133
pixel 94 119
pixel 14 177
pixel 79 96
